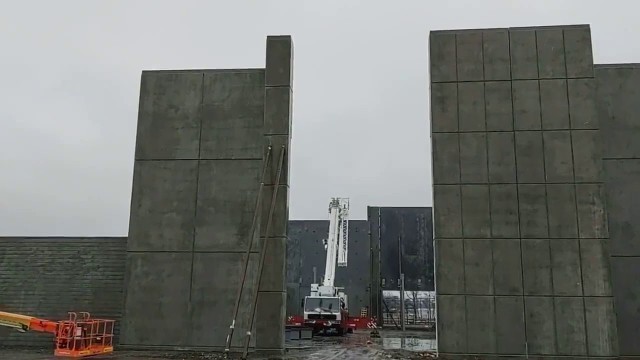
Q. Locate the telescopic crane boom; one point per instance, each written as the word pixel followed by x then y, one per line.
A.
pixel 326 307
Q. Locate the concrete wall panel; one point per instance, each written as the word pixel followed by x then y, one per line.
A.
pixel 481 334
pixel 618 106
pixel 524 59
pixel 232 115
pixel 526 105
pixel 495 47
pixel 471 106
pixel 209 294
pixel 169 116
pixel 533 211
pixel 550 47
pixel 473 158
pixel 578 53
pixel 444 107
pixel 563 220
pixel 507 268
pixel 476 222
pixel 279 61
pixel 594 254
pixel 469 61
pixel 227 195
pixel 498 105
pixel 452 326
pixel 601 326
pixel 554 105
pixel 530 157
pixel 557 156
pixel 566 271
pixel 502 162
pixel 570 326
pixel 478 271
pixel 592 216
pixel 272 312
pixel 582 103
pixel 540 326
pixel 442 54
pixel 536 264
pixel 587 156
pixel 504 211
pixel 446 154
pixel 151 285
pixel 542 197
pixel 447 211
pixel 197 205
pixel 626 295
pixel 163 205
pixel 450 278
pixel 510 329
pixel 617 94
pixel 622 206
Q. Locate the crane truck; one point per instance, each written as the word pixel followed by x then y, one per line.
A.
pixel 326 308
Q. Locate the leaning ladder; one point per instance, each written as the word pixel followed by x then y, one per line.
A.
pixel 258 208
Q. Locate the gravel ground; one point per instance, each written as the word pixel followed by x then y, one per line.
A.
pixel 358 345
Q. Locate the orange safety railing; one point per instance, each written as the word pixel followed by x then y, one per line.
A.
pixel 84 336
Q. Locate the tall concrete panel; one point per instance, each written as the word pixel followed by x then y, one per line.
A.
pixel 47 277
pixel 521 262
pixel 401 241
pixel 310 260
pixel 618 91
pixel 203 140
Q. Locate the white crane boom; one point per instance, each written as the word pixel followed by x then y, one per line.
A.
pixel 337 240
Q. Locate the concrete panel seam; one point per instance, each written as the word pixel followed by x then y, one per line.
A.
pixel 584 305
pixel 515 159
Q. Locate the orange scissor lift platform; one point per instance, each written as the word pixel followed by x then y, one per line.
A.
pixel 77 337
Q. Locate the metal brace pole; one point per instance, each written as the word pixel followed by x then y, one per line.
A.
pixel 248 251
pixel 254 303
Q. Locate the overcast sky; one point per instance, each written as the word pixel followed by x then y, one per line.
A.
pixel 70 73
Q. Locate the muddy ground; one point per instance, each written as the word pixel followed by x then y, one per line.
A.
pixel 359 345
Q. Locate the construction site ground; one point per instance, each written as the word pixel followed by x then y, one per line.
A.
pixel 392 344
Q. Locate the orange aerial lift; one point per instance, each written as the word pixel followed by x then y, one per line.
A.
pixel 74 337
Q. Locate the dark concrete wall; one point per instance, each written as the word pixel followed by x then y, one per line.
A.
pixel 47 277
pixel 392 228
pixel 307 236
pixel 618 91
pixel 519 218
pixel 202 140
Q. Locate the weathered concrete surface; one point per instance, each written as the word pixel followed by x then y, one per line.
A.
pixel 202 140
pixel 47 277
pixel 307 236
pixel 618 91
pixel 401 237
pixel 519 220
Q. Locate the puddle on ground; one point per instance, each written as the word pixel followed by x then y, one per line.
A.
pixel 408 343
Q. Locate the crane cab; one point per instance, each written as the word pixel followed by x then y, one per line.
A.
pixel 326 309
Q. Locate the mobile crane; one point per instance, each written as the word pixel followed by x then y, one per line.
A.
pixel 327 307
pixel 75 337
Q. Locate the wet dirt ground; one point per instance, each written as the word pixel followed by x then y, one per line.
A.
pixel 359 345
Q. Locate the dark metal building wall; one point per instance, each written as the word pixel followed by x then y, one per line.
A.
pixel 306 236
pixel 392 229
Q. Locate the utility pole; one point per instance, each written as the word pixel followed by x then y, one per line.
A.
pixel 402 321
pixel 402 315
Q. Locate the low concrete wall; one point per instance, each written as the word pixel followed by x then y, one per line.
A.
pixel 47 277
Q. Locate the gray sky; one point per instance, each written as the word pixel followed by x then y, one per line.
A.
pixel 70 73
